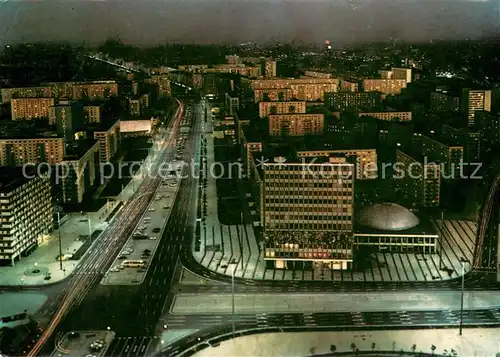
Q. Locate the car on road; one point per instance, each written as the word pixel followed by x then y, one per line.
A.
pixel 121 257
pixel 153 238
pixel 156 230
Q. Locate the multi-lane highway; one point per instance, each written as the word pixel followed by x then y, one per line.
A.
pixel 112 239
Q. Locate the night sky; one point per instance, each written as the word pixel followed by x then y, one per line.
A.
pixel 146 22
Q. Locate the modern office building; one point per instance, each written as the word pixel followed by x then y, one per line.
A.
pixel 307 89
pixel 82 164
pixel 26 209
pixel 30 108
pixel 364 160
pixel 385 86
pixel 26 92
pixel 68 117
pixel 291 107
pixel 307 213
pixel 392 228
pixel 109 140
pixel 20 151
pixel 441 151
pixel 418 180
pixel 388 116
pixel 349 101
pixel 296 124
pixel 474 100
pixel 93 113
pixel 444 102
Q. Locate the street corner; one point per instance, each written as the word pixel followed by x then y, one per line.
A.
pixel 83 343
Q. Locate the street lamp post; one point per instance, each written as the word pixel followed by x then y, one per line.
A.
pixel 90 230
pixel 60 242
pixel 232 298
pixel 441 242
pixel 463 261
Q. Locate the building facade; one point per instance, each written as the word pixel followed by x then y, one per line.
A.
pixel 296 124
pixel 68 119
pixel 26 92
pixel 17 152
pixel 270 68
pixel 291 107
pixel 307 214
pixel 30 108
pixel 307 89
pixel 444 102
pixel 109 141
pixel 385 86
pixel 388 116
pixel 450 156
pixel 26 210
pixel 346 101
pixel 473 101
pixel 92 113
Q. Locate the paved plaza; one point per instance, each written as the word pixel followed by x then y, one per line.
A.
pixel 473 343
pixel 193 304
pixel 238 243
pixel 17 303
pixel 34 269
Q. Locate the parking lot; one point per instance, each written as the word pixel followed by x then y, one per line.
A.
pixel 131 265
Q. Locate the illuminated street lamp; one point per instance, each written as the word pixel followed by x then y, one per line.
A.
pixel 463 261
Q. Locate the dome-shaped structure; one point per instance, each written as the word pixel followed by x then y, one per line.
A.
pixel 388 217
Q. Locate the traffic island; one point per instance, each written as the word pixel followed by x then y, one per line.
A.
pixel 83 343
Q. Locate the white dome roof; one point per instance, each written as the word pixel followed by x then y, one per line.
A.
pixel 388 217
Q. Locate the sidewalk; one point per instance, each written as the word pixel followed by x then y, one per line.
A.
pixel 33 269
pixel 473 342
pixel 458 239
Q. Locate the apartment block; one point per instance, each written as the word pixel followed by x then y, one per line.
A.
pixel 385 86
pixel 444 102
pixel 349 86
pixel 296 124
pixel 418 179
pixel 401 73
pixel 307 213
pixel 232 104
pixel 345 101
pixel 307 89
pixel 30 108
pixel 272 95
pixel 292 107
pixel 364 160
pixel 473 101
pixel 316 74
pixel 98 90
pixel 388 116
pixel 26 92
pixel 26 211
pixel 82 162
pixel 269 68
pixel 134 106
pixel 93 113
pixel 109 141
pixel 163 84
pixel 450 156
pixel 68 117
pixel 17 152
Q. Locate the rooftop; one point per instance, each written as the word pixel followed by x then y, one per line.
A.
pixel 13 177
pixel 78 149
pixel 26 129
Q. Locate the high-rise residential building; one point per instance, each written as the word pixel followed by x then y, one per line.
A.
pixel 68 117
pixel 352 101
pixel 349 86
pixel 469 139
pixel 296 124
pixel 418 179
pixel 26 207
pixel 232 103
pixel 272 95
pixel 444 102
pixel 292 107
pixel 134 105
pixel 270 68
pixel 308 89
pixel 233 59
pixel 20 151
pixel 82 163
pixel 97 90
pixel 488 124
pixel 388 116
pixel 401 73
pixel 307 213
pixel 385 86
pixel 440 151
pixel 109 140
pixel 163 84
pixel 93 113
pixel 26 92
pixel 364 160
pixel 30 108
pixel 474 100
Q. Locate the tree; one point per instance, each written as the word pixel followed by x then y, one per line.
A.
pixel 333 348
pixel 312 350
pixel 353 347
pixel 413 348
pixel 373 346
pixel 433 348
